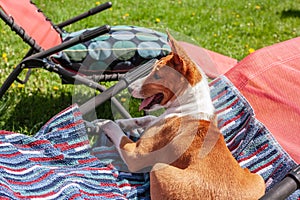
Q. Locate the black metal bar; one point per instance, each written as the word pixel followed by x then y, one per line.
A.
pixel 10 79
pixel 28 73
pixel 65 74
pixel 128 78
pixel 91 12
pixel 105 77
pixel 125 114
pixel 286 187
pixel 102 89
pixel 20 31
pixel 88 35
pixel 92 84
pixel 101 98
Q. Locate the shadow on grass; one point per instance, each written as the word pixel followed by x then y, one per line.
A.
pixel 290 13
pixel 30 113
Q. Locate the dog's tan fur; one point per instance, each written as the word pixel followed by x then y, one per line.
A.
pixel 217 175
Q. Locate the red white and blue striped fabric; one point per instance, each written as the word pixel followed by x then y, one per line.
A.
pixel 56 164
pixel 59 163
pixel 248 139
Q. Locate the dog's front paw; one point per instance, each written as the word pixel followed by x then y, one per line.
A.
pixel 126 124
pixel 134 123
pixel 110 129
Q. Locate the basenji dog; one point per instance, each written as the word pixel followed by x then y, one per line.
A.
pixel 183 147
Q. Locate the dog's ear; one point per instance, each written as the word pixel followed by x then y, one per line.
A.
pixel 181 58
pixel 176 49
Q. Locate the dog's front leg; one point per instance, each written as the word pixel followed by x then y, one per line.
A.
pixel 135 123
pixel 123 144
pixel 135 154
pixel 112 131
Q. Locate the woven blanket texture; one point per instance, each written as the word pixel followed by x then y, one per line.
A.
pixel 59 162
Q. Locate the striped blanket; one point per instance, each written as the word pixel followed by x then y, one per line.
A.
pixel 59 162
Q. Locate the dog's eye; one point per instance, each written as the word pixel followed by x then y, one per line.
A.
pixel 156 76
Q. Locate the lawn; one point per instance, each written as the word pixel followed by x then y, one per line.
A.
pixel 232 28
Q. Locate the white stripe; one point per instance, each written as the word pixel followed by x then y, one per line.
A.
pixel 126 188
pixel 29 152
pixel 227 126
pixel 269 182
pixel 264 169
pixel 225 112
pixel 232 140
pixel 58 193
pixel 10 136
pixel 26 170
pixel 82 147
pixel 247 161
pixel 5 144
pixel 103 172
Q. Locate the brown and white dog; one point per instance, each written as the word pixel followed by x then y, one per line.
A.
pixel 172 144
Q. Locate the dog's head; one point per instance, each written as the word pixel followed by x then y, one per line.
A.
pixel 170 77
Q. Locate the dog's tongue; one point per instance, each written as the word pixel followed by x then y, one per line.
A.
pixel 146 102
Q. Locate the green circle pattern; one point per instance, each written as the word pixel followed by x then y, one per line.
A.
pixel 123 48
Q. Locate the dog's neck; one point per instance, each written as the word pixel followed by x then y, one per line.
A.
pixel 195 102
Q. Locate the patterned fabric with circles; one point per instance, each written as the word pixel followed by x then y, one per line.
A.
pixel 123 48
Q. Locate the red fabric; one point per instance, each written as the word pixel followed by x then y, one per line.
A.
pixel 269 79
pixel 212 63
pixel 33 22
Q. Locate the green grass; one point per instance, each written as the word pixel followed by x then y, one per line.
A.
pixel 229 27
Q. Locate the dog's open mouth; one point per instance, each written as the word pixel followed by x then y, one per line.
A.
pixel 148 102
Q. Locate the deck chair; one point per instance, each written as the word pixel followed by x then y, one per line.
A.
pixel 43 37
pixel 39 32
pixel 64 50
